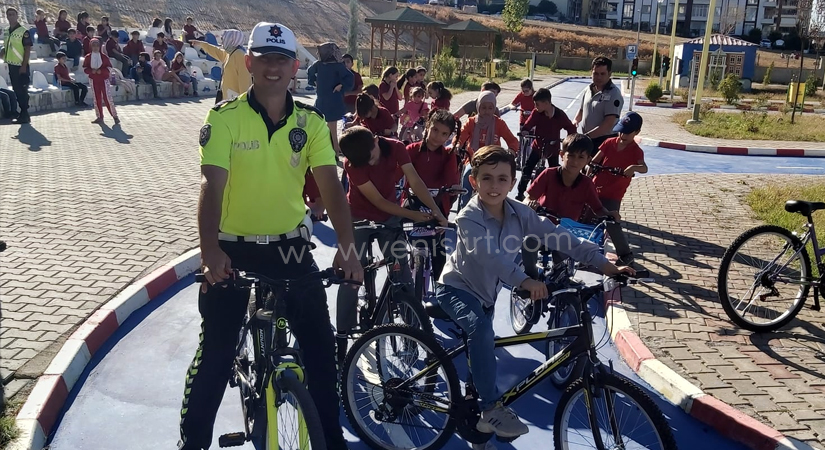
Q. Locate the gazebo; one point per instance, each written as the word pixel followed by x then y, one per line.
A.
pixel 469 33
pixel 397 22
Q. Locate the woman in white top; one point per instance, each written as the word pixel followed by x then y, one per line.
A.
pixel 157 27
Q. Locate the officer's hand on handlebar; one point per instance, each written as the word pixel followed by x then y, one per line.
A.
pixel 216 266
pixel 538 290
pixel 348 268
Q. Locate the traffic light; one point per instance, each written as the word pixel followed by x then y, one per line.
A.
pixel 665 63
pixel 634 67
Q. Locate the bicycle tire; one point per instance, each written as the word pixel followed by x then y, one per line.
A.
pixel 415 307
pixel 305 406
pixel 418 275
pixel 434 348
pixel 619 385
pixel 521 318
pixel 724 267
pixel 561 378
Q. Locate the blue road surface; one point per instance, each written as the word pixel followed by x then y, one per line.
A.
pixel 129 397
pixel 661 161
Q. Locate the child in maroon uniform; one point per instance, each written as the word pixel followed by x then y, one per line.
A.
pixel 97 66
pixel 61 71
pixel 548 122
pixel 388 89
pixel 357 85
pixel 376 118
pixel 623 152
pixel 134 47
pixel 61 26
pixel 441 95
pixel 524 101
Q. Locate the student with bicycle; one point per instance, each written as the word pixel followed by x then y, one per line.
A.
pixel 490 231
pixel 261 144
pixel 625 153
pixel 374 166
pixel 438 167
pixel 548 121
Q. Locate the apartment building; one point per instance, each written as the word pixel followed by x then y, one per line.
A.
pixel 736 17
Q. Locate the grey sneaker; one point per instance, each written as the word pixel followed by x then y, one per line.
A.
pixel 502 421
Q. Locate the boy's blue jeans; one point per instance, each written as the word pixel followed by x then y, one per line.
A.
pixel 468 312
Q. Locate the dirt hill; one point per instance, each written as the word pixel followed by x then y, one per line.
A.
pixel 314 21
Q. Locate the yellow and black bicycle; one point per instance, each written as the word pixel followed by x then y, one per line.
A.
pixel 279 412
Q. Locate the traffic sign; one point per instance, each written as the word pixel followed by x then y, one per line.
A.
pixel 631 51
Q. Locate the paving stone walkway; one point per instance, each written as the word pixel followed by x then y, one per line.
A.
pixel 682 225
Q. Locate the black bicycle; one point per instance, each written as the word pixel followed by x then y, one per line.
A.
pixel 593 168
pixel 402 390
pixel 526 144
pixel 277 407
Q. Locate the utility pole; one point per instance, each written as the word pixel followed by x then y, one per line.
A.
pixel 656 41
pixel 672 47
pixel 703 64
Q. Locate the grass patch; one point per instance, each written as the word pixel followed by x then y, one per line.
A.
pixel 759 125
pixel 8 427
pixel 768 203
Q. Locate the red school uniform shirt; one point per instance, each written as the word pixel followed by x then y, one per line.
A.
pixel 613 187
pixel 42 29
pixel 61 72
pixel 548 129
pixel 62 26
pixel 441 103
pixel 564 201
pixel 382 122
pixel 190 30
pixel 134 48
pixel 112 47
pixel 87 45
pixel 162 47
pixel 357 85
pixel 437 168
pixel 383 176
pixel 392 104
pixel 526 103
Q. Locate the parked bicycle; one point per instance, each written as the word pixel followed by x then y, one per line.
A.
pixel 401 389
pixel 765 275
pixel 526 147
pixel 277 407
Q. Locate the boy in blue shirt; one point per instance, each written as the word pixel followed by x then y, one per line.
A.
pixel 491 229
pixel 143 72
pixel 74 48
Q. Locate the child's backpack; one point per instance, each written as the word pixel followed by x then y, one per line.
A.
pixel 127 84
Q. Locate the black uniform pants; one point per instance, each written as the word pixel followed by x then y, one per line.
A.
pixel 222 311
pixel 20 86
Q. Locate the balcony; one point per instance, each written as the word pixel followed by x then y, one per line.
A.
pixel 787 22
pixel 768 20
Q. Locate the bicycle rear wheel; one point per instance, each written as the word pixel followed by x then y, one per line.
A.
pixel 294 424
pixel 391 418
pixel 761 278
pixel 615 413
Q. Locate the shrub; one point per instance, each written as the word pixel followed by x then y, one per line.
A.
pixel 729 88
pixel 683 94
pixel 810 85
pixel 714 78
pixel 445 66
pixel 767 78
pixel 455 50
pixel 653 92
pixel 754 35
pixel 498 45
pixel 761 101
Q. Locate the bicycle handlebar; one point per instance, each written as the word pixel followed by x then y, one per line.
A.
pixel 596 168
pixel 429 225
pixel 608 284
pixel 241 278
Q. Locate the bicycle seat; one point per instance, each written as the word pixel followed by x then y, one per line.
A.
pixel 435 312
pixel 802 207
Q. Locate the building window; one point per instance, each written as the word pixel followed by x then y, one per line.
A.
pixel 750 14
pixel 645 9
pixel 753 2
pixel 700 10
pixel 734 64
pixel 627 11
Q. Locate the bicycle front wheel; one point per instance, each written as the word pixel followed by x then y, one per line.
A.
pixel 565 314
pixel 762 278
pixel 614 413
pixel 294 424
pixel 386 415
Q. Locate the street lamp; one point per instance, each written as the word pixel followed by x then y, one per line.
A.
pixel 656 39
pixel 703 64
pixel 672 46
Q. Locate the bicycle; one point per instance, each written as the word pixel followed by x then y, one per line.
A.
pixel 791 267
pixel 268 372
pixel 390 385
pixel 593 168
pixel 421 237
pixel 379 308
pixel 526 149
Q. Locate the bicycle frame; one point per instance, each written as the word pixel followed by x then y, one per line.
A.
pixel 808 236
pixel 583 343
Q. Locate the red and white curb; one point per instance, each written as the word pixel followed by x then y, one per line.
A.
pixel 726 150
pixel 725 419
pixel 40 412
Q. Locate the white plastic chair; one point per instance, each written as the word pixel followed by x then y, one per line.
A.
pixel 190 53
pixel 39 81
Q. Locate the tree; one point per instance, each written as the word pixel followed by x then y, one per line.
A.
pixel 352 34
pixel 754 35
pixel 729 18
pixel 810 23
pixel 547 7
pixel 514 13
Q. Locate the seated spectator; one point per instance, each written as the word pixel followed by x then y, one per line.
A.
pixel 374 117
pixel 170 35
pixel 134 48
pixel 8 101
pixel 160 72
pixel 142 72
pixel 82 23
pixel 61 72
pixel 74 48
pixel 179 68
pixel 157 27
pixel 103 28
pixel 62 26
pixel 114 51
pixel 43 31
pixel 87 40
pixel 190 31
pixel 161 46
pixel 103 37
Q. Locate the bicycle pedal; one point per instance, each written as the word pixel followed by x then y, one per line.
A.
pixel 232 440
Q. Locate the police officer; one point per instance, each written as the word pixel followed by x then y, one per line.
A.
pixel 16 55
pixel 255 151
pixel 601 105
